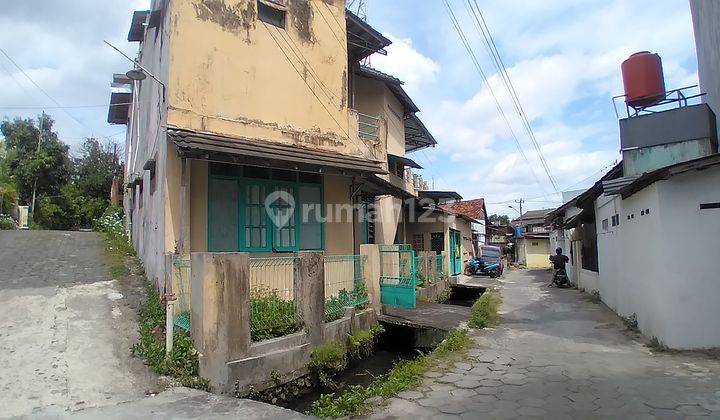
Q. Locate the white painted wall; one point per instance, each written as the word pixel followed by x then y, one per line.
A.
pixel 663 266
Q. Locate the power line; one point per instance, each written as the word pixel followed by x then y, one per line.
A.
pixel 322 103
pixel 67 107
pixel 491 47
pixel 475 61
pixel 343 45
pixel 42 90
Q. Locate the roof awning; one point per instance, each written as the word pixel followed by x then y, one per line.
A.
pixel 243 150
pixel 137 28
pixel 404 160
pixel 362 39
pixel 574 221
pixel 120 99
pixel 416 135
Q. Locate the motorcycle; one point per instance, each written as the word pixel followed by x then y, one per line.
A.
pixel 476 267
pixel 560 279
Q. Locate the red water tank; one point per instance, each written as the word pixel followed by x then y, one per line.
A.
pixel 643 79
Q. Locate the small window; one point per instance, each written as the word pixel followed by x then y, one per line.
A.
pixel 615 220
pixel 605 224
pixel 535 244
pixel 708 206
pixel 647 211
pixel 273 15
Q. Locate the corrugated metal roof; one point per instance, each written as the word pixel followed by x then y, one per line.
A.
pixel 199 144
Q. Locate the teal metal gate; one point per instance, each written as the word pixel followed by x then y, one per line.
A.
pixel 398 275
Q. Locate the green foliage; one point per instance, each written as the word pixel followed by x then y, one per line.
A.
pixel 502 219
pixel 444 296
pixel 182 363
pixel 7 222
pixel 335 305
pixel 70 209
pixel 117 244
pixel 405 375
pixel 327 361
pixel 70 193
pixel 361 344
pixel 484 311
pixel 95 168
pixel 47 167
pixel 271 316
pixel 658 346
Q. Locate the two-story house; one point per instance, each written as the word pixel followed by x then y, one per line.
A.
pixel 532 239
pixel 249 121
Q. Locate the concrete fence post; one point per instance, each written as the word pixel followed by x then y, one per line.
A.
pixel 309 292
pixel 220 308
pixel 372 275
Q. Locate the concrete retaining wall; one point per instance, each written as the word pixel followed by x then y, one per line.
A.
pixel 220 293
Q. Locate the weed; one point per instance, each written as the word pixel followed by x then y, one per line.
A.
pixel 657 345
pixel 271 316
pixel 444 296
pixel 405 375
pixel 594 297
pixel 182 363
pixel 484 311
pixel 631 322
pixel 361 344
pixel 335 305
pixel 327 361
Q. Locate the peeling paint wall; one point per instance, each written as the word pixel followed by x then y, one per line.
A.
pixel 234 75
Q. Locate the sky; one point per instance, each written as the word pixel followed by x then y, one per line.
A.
pixel 562 56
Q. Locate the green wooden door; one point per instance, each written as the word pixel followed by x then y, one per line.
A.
pixel 455 253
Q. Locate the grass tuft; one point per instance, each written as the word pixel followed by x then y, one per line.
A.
pixel 406 374
pixel 484 312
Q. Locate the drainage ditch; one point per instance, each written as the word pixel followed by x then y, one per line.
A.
pixel 398 342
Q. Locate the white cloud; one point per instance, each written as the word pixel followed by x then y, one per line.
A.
pixel 407 64
pixel 60 46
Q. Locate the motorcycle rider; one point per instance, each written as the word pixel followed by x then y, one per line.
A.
pixel 559 260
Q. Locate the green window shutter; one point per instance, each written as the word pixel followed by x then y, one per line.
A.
pixel 255 235
pixel 223 215
pixel 310 212
pixel 284 219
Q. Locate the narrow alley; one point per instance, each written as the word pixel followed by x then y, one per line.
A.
pixel 558 355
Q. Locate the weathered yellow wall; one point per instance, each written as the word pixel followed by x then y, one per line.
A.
pixel 338 233
pixel 537 256
pixel 372 97
pixel 229 73
pixel 387 220
pixel 198 205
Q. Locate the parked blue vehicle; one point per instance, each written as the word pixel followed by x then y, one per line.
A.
pixel 477 267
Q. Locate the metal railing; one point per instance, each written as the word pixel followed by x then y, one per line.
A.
pixel 440 264
pixel 345 284
pixel 181 276
pixel 272 306
pixel 676 98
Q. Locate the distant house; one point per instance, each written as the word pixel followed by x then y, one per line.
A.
pixel 439 228
pixel 532 245
pixel 474 209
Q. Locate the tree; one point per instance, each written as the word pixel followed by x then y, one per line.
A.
pixel 46 168
pixel 8 190
pixel 95 168
pixel 502 219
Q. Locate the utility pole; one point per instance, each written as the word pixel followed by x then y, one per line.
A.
pixel 520 202
pixel 37 153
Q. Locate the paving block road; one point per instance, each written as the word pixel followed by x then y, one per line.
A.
pixel 557 355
